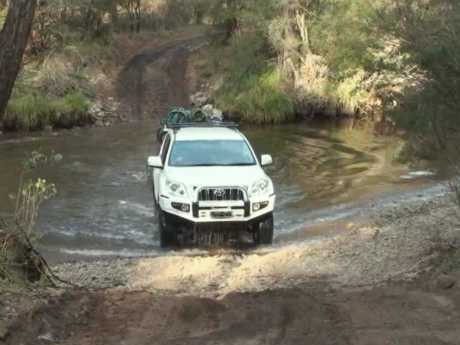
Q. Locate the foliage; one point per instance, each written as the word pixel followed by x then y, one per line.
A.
pixel 2 17
pixel 429 36
pixel 20 263
pixel 260 99
pixel 354 57
pixel 366 58
pixel 35 111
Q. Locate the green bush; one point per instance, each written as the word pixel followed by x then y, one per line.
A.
pixel 28 112
pixel 35 111
pixel 71 110
pixel 2 17
pixel 260 100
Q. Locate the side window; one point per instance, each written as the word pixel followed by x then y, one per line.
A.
pixel 165 148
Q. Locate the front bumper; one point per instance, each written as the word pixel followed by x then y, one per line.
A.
pixel 219 211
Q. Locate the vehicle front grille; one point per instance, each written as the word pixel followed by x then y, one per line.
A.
pixel 221 194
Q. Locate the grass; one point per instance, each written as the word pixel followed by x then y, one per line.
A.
pixel 2 17
pixel 36 111
pixel 260 100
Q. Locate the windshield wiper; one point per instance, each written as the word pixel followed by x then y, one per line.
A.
pixel 196 165
pixel 214 165
pixel 237 164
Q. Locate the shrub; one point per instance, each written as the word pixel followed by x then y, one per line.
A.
pixel 28 112
pixel 2 17
pixel 35 111
pixel 260 100
pixel 20 262
pixel 71 110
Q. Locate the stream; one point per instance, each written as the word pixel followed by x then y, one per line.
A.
pixel 104 204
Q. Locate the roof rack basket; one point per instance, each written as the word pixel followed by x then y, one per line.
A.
pixel 204 124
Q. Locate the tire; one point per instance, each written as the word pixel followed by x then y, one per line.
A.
pixel 167 235
pixel 155 203
pixel 264 232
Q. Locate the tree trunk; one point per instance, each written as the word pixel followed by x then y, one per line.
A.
pixel 13 42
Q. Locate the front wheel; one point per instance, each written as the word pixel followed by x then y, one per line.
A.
pixel 264 231
pixel 167 235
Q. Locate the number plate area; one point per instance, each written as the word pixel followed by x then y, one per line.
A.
pixel 221 211
pixel 221 214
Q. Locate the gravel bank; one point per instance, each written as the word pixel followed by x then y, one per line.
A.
pixel 391 241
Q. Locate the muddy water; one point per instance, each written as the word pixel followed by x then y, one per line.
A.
pixel 104 205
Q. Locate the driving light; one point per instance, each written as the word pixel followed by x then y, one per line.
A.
pixel 260 187
pixel 181 207
pixel 259 205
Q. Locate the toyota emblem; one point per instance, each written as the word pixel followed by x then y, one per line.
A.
pixel 219 193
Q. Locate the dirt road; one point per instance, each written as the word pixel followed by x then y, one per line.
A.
pixel 155 79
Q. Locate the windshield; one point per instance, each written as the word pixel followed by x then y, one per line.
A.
pixel 211 153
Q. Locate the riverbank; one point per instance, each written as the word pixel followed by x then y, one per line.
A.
pixel 402 260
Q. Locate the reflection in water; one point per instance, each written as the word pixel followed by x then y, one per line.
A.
pixel 105 204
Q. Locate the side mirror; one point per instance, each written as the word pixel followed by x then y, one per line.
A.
pixel 266 160
pixel 155 162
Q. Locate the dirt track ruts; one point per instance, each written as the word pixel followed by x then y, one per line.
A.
pixel 155 80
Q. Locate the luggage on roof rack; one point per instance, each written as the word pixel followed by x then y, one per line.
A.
pixel 179 118
pixel 206 124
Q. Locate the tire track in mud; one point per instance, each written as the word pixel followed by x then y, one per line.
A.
pixel 155 80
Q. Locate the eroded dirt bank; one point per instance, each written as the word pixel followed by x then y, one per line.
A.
pixel 310 314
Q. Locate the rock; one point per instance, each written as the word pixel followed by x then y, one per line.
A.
pixel 1 133
pixel 48 128
pixel 445 282
pixel 99 123
pixel 47 337
pixel 58 157
pixel 199 99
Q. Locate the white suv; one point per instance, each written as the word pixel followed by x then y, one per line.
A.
pixel 208 180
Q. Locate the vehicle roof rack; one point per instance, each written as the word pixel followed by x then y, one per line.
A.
pixel 204 124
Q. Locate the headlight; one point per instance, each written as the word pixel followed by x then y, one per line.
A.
pixel 260 187
pixel 176 188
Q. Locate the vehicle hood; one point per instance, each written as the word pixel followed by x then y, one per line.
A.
pixel 216 176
